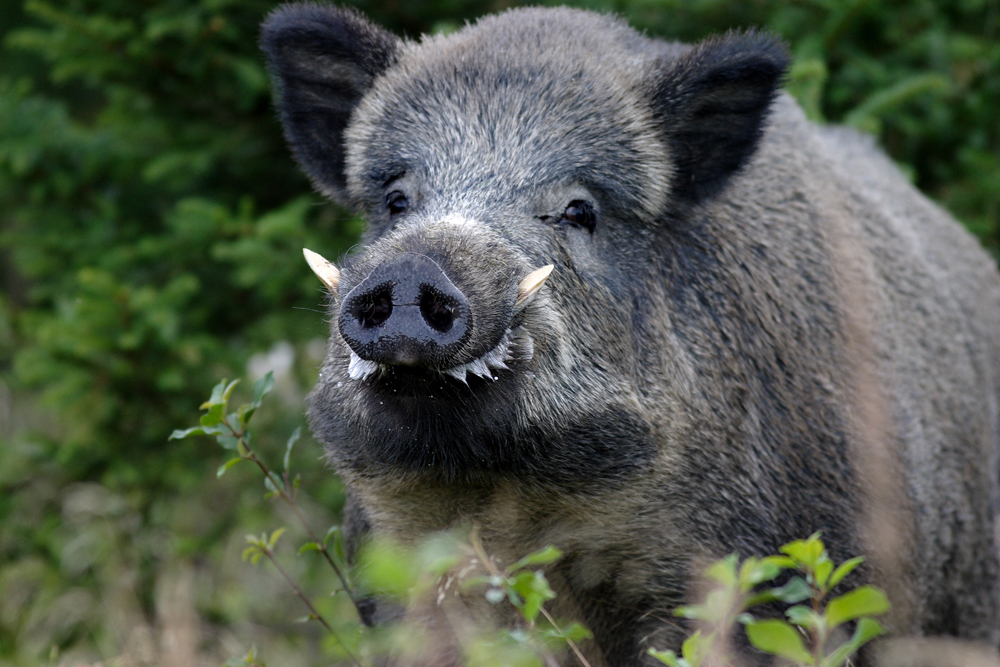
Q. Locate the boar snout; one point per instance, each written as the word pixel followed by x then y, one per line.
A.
pixel 406 312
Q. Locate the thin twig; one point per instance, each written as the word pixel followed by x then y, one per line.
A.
pixel 312 610
pixel 321 547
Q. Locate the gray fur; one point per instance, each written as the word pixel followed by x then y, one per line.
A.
pixel 768 333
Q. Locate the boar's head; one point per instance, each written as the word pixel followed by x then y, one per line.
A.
pixel 532 138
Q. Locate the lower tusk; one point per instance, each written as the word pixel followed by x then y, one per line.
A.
pixel 324 270
pixel 529 286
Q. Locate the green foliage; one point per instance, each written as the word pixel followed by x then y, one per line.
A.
pixel 151 223
pixel 393 572
pixel 737 590
pixel 449 572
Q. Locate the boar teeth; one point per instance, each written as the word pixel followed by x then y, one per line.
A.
pixel 458 372
pixel 324 270
pixel 529 285
pixel 360 368
pixel 495 358
pixel 479 367
pixel 516 344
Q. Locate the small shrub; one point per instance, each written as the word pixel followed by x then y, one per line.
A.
pixel 804 639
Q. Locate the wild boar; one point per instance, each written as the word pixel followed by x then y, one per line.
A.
pixel 754 328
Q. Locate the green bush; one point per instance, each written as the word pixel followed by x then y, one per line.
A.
pixel 151 222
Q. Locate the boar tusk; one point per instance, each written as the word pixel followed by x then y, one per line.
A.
pixel 324 270
pixel 530 284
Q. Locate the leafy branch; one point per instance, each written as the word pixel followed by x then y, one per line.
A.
pixel 230 430
pixel 736 592
pixel 264 546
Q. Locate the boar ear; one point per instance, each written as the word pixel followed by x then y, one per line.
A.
pixel 712 103
pixel 322 60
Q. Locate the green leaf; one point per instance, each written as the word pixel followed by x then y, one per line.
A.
pixel 756 571
pixel 216 397
pixel 695 612
pixel 291 443
pixel 575 631
pixel 308 546
pixel 214 415
pixel 822 573
pixel 808 553
pixel 252 553
pixel 724 570
pixel 179 434
pixel 796 590
pixel 274 538
pixel 228 391
pixel 845 569
pixel 331 531
pixel 532 605
pixel 867 629
pixel 778 638
pixel 804 617
pixel 696 647
pixel 244 413
pixel 228 442
pixel 262 387
pixel 533 588
pixel 543 556
pixel 782 562
pixel 863 601
pixel 226 466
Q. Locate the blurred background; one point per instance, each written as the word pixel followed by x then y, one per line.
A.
pixel 151 226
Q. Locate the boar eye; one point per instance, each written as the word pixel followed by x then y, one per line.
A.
pixel 396 202
pixel 580 213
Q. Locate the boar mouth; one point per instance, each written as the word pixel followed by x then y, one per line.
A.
pixel 516 345
pixel 407 312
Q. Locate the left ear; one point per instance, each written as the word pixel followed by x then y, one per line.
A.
pixel 712 104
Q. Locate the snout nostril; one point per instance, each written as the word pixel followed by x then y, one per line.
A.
pixel 406 313
pixel 374 308
pixel 438 310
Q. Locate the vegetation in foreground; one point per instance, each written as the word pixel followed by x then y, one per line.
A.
pixel 447 574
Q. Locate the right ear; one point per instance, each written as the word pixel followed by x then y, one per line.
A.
pixel 322 61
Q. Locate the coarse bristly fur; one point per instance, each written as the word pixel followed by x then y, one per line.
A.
pixel 760 331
